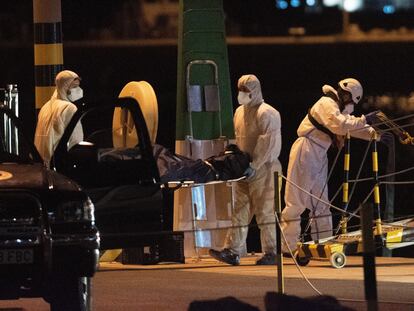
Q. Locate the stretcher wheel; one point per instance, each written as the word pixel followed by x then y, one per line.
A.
pixel 302 261
pixel 338 260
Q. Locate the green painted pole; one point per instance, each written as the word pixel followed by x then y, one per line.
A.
pixel 204 115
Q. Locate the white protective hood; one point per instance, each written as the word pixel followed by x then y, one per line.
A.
pixel 258 126
pixel 55 116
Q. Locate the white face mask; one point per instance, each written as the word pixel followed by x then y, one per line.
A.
pixel 348 109
pixel 244 98
pixel 75 94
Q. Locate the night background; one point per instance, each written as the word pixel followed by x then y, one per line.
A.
pixel 109 43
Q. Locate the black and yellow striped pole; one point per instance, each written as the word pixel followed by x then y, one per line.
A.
pixel 376 184
pixel 48 50
pixel 345 185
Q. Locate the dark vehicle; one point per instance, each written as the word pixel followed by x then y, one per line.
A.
pixel 49 244
pixel 123 183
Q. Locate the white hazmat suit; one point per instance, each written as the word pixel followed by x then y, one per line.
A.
pixel 257 127
pixel 56 114
pixel 308 165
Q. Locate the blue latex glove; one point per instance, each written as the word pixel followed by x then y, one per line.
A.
pixel 372 117
pixel 387 138
pixel 250 172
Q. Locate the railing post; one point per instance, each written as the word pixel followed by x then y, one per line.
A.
pixel 376 185
pixel 345 188
pixel 279 255
pixel 370 280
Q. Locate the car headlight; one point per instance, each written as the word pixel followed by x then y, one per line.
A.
pixel 73 211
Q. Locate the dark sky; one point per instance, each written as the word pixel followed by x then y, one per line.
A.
pixel 86 19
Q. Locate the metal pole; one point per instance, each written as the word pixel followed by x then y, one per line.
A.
pixel 8 134
pixel 370 281
pixel 14 106
pixel 345 20
pixel 279 255
pixel 4 102
pixel 48 48
pixel 376 185
pixel 345 188
pixel 390 191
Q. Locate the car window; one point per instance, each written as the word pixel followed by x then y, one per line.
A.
pixel 106 129
pixel 14 145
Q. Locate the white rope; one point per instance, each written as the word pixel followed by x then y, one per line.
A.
pixel 408 182
pixel 383 176
pixel 385 122
pixel 315 197
pixel 293 257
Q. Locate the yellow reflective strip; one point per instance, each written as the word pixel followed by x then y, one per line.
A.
pixel 344 225
pixel 48 54
pixel 345 189
pixel 376 194
pixel 360 247
pixel 375 161
pixel 333 248
pixel 43 94
pixel 110 255
pixel 346 162
pixel 301 252
pixel 327 250
pixel 378 228
pixel 313 250
pixel 395 236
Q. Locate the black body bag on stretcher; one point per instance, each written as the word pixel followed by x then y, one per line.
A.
pixel 230 164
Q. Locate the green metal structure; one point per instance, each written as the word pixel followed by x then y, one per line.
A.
pixel 201 36
pixel 204 123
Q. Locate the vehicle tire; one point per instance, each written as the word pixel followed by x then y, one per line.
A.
pixel 338 260
pixel 302 261
pixel 71 293
pixel 9 289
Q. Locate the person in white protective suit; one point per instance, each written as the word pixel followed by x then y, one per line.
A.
pixel 327 122
pixel 56 114
pixel 257 128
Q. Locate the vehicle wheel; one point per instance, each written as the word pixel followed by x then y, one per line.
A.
pixel 302 261
pixel 338 260
pixel 71 293
pixel 9 289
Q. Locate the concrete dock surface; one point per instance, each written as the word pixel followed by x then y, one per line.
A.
pixel 172 286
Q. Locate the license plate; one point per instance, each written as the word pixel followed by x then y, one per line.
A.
pixel 16 256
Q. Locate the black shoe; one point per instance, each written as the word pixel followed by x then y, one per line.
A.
pixel 267 259
pixel 226 256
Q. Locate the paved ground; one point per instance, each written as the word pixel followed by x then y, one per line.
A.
pixel 175 286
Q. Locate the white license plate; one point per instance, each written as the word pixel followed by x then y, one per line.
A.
pixel 16 256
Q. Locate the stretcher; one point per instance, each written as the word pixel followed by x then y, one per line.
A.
pixel 394 235
pixel 202 235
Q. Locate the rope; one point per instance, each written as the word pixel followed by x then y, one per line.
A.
pixel 294 257
pixel 359 170
pixel 384 122
pixel 315 197
pixel 384 176
pixel 323 189
pixel 408 182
